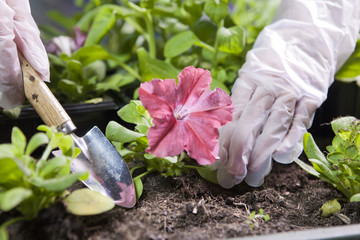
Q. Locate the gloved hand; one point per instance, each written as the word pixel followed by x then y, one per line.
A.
pixel 18 31
pixel 284 80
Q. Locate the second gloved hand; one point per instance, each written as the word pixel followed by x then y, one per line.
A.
pixel 284 80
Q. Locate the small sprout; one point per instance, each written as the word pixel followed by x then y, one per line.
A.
pixel 253 218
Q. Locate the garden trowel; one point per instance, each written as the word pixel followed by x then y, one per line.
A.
pixel 108 172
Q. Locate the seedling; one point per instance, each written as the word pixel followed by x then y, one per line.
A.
pixel 30 184
pixel 253 217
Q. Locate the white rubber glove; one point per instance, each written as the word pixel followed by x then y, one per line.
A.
pixel 284 80
pixel 18 31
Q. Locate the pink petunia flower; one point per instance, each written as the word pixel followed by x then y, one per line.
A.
pixel 66 44
pixel 186 116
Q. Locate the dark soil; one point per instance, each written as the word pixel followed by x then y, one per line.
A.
pixel 188 207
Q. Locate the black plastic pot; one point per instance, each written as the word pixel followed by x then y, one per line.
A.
pixel 84 116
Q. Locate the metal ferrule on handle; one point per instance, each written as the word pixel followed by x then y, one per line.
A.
pixel 43 100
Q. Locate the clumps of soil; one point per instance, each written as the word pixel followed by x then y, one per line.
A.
pixel 188 207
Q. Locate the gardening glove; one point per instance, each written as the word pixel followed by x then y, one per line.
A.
pixel 284 80
pixel 18 31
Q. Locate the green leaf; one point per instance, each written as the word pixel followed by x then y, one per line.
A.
pixel 231 40
pixel 344 134
pixel 355 198
pixel 351 152
pixel 312 151
pixel 179 44
pixel 342 123
pixel 322 168
pixel 89 54
pixel 3 233
pixel 57 184
pixel 6 151
pixel 138 187
pixel 206 31
pixel 52 165
pixel 350 69
pixel 307 168
pixel 18 139
pixel 147 3
pixel 216 9
pixel 9 171
pixel 12 113
pixel 96 68
pixel 330 208
pixel 75 71
pixel 208 174
pixel 129 114
pixel 335 157
pixel 85 202
pixel 70 87
pixel 11 198
pixel 114 82
pixel 116 132
pixel 36 141
pixel 151 68
pixel 103 22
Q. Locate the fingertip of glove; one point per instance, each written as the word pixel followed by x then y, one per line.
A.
pixel 228 180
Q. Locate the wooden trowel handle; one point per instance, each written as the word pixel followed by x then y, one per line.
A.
pixel 41 98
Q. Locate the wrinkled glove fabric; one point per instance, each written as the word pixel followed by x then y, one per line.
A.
pixel 284 79
pixel 18 31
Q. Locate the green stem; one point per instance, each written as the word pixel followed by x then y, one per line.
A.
pixel 44 156
pixel 135 168
pixel 150 33
pixel 144 174
pixel 205 45
pixel 130 70
pixel 216 45
pixel 12 221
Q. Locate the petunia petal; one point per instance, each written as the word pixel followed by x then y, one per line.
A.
pixel 167 137
pixel 158 97
pixel 192 83
pixel 186 117
pixel 201 140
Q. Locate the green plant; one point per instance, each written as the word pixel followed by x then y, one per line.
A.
pixel 253 217
pixel 155 39
pixel 340 166
pixel 30 184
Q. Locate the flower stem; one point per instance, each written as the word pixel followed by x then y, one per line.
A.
pixel 216 46
pixel 150 33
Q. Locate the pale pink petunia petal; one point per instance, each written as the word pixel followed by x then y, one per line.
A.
pixel 192 83
pixel 186 117
pixel 158 97
pixel 167 137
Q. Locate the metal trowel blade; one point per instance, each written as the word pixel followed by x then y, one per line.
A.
pixel 108 172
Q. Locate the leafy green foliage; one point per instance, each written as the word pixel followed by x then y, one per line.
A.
pixel 153 38
pixel 341 166
pixel 85 74
pixel 30 184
